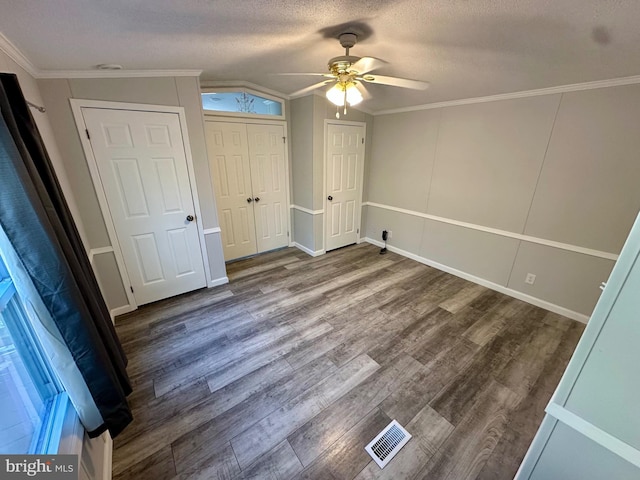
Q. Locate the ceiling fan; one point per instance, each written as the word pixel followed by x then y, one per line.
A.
pixel 348 74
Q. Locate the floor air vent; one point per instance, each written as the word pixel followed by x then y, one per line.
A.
pixel 387 443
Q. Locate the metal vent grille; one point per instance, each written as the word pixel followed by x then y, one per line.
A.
pixel 387 443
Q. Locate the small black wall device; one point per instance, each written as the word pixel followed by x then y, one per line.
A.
pixel 384 237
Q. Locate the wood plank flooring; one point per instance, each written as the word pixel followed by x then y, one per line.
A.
pixel 292 368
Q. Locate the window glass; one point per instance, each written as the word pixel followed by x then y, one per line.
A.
pixel 27 385
pixel 241 102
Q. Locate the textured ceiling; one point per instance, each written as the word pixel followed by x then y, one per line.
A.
pixel 465 48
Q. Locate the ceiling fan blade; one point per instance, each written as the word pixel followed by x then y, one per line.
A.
pixel 363 90
pixel 395 82
pixel 309 88
pixel 367 64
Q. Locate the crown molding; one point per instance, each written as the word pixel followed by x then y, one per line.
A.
pixel 17 56
pixel 574 87
pixel 312 92
pixel 315 92
pixel 242 83
pixel 360 108
pixel 116 73
pixel 21 59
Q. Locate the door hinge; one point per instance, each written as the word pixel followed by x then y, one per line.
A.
pixel 131 288
pixel 287 234
pixel 88 136
pixel 363 140
pixel 358 230
pixel 284 139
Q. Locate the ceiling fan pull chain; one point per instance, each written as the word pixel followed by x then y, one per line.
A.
pixel 345 95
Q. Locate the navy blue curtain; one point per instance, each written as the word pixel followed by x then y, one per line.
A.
pixel 36 219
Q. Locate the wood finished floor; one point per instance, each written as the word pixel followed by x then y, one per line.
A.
pixel 292 368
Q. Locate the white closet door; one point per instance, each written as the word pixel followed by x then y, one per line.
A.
pixel 143 169
pixel 229 159
pixel 269 182
pixel 344 164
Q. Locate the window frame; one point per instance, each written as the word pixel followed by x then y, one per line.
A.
pixel 46 440
pixel 249 91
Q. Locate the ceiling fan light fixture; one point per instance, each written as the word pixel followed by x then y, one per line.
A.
pixel 336 94
pixel 351 75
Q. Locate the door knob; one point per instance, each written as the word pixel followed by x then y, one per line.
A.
pixel 249 200
pixel 329 198
pixel 189 218
pixel 257 199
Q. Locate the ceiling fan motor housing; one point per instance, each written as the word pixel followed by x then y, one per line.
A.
pixel 338 65
pixel 348 40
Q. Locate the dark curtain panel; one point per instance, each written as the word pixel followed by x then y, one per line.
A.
pixel 37 221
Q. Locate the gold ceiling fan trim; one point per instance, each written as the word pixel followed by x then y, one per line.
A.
pixel 348 75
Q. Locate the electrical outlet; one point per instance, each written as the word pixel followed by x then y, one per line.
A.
pixel 530 279
pixel 389 234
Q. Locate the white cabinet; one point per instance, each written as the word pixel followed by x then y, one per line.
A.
pixel 592 427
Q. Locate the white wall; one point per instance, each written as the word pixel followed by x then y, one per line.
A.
pixel 544 184
pixel 301 160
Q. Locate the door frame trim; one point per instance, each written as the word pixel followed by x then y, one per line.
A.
pixel 328 122
pixel 77 105
pixel 208 117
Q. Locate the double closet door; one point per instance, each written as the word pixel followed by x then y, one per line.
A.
pixel 248 166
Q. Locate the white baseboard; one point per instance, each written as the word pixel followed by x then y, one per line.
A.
pixel 308 251
pixel 552 307
pixel 218 281
pixel 121 311
pixel 130 308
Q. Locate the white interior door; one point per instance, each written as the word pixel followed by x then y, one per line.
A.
pixel 229 157
pixel 143 169
pixel 344 170
pixel 269 185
